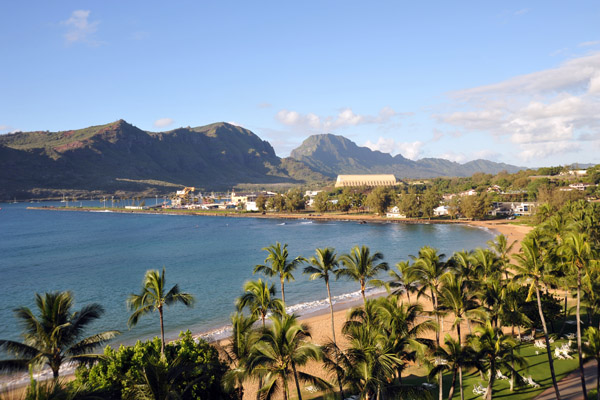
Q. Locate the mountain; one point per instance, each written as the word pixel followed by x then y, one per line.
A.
pixel 332 155
pixel 121 157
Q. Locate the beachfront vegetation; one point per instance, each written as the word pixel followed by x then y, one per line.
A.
pixel 503 333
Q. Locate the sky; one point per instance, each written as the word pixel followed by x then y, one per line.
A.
pixel 511 81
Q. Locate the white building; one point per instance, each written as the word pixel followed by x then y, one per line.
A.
pixel 441 210
pixel 394 212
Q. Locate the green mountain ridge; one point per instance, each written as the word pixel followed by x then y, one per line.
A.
pixel 333 155
pixel 119 157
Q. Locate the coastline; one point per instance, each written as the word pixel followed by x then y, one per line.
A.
pixel 316 317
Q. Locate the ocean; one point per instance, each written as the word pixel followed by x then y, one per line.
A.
pixel 102 257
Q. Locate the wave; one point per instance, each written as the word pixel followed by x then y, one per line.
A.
pixel 299 309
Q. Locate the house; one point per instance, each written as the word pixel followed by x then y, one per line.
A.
pixel 523 208
pixel 311 194
pixel 471 192
pixel 394 212
pixel 580 186
pixel 501 209
pixel 441 210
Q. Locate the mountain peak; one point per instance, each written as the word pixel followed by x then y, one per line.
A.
pixel 333 155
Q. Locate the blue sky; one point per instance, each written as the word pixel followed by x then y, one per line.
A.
pixel 516 82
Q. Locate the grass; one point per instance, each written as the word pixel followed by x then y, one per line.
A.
pixel 537 367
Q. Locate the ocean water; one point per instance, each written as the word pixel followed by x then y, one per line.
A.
pixel 102 257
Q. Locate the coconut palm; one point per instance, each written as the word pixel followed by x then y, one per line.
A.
pixel 532 270
pixel 280 350
pixel 277 263
pixel 154 297
pixel 56 335
pixel 238 350
pixel 456 298
pixel 495 351
pixel 577 253
pixel 260 299
pixel 404 280
pixel 488 265
pixel 324 263
pixel 502 249
pixel 453 359
pixel 370 360
pixel 398 322
pixel 430 268
pixel 362 266
pixel 591 351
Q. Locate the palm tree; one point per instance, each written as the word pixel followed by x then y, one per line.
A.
pixel 281 349
pixel 454 358
pixel 532 270
pixel 154 297
pixel 404 280
pixel 56 335
pixel 502 249
pixel 324 263
pixel 361 266
pixel 456 297
pixel 237 351
pixel 430 269
pixel 370 360
pixel 495 352
pixel 398 322
pixel 260 299
pixel 591 351
pixel 277 263
pixel 577 252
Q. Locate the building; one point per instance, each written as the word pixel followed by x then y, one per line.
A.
pixel 441 211
pixel 394 212
pixel 366 180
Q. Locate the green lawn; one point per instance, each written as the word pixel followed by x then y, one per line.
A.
pixel 537 368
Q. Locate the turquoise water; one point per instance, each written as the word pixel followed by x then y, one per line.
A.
pixel 102 257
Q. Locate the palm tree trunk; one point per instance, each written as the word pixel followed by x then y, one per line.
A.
pixel 282 293
pixel 460 384
pixel 162 331
pixel 337 350
pixel 260 382
pixel 579 350
pixel 492 378
pixel 285 388
pixel 451 393
pixel 550 360
pixel 362 292
pixel 296 379
pixel 437 341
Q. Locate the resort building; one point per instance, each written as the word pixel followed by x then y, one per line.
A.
pixel 394 212
pixel 366 180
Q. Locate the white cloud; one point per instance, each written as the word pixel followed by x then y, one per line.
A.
pixel 264 105
pixel 410 150
pixel 4 128
pixel 80 28
pixel 522 11
pixel 543 113
pixel 234 123
pixel 163 122
pixel 345 118
pixel 589 44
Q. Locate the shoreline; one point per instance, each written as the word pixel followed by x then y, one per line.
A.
pixel 316 315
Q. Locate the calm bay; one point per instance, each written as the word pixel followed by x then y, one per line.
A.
pixel 102 257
